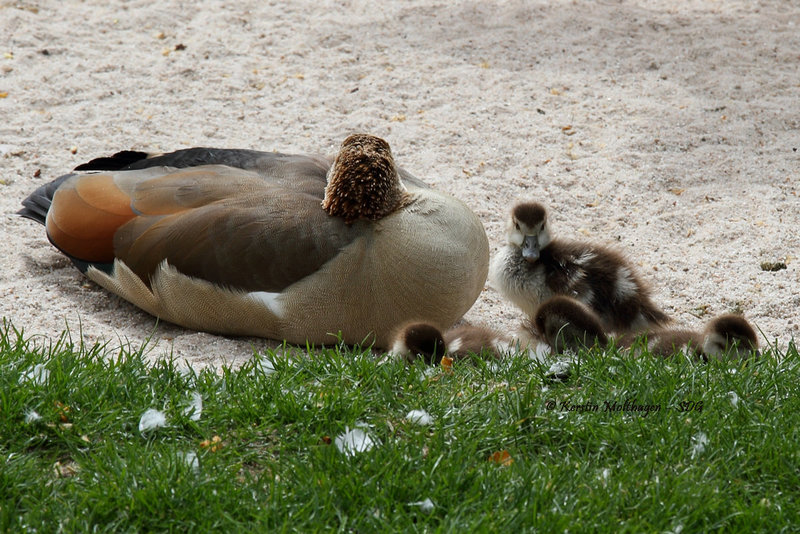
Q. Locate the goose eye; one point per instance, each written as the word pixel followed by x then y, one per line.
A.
pixel 516 225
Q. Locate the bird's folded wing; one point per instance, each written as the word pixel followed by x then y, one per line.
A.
pixel 238 228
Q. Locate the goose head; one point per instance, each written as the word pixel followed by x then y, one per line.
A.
pixel 729 334
pixel 419 340
pixel 363 182
pixel 528 229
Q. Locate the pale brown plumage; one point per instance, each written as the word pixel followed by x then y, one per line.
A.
pixel 238 241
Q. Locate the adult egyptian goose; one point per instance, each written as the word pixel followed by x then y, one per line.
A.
pixel 290 247
pixel 424 340
pixel 532 267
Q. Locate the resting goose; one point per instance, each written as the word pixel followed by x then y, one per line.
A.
pixel 532 267
pixel 290 247
pixel 423 340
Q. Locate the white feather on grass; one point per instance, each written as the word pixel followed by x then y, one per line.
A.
pixel 151 420
pixel 419 417
pixel 353 441
pixel 426 506
pixel 39 375
pixel 195 408
pixel 190 458
pixel 540 352
pixel 699 442
pixel 559 369
pixel 265 366
pixel 605 474
pixel 31 416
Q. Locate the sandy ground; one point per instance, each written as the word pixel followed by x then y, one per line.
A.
pixel 670 128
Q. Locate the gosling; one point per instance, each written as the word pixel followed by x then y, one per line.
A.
pixel 533 267
pixel 727 335
pixel 568 325
pixel 423 340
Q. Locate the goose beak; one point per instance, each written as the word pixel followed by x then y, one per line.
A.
pixel 530 248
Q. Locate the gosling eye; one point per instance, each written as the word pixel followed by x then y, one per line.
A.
pixel 516 225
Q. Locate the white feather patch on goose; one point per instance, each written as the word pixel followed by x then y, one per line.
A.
pixel 270 300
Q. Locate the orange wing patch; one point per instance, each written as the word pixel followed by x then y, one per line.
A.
pixel 85 213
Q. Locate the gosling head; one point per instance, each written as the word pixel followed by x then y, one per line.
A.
pixel 419 340
pixel 528 229
pixel 567 324
pixel 729 334
pixel 363 182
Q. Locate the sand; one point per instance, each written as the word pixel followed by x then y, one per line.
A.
pixel 670 129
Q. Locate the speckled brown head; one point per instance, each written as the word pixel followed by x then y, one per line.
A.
pixel 363 181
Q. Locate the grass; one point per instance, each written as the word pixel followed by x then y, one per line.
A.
pixel 505 452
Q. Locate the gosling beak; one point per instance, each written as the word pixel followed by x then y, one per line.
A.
pixel 530 248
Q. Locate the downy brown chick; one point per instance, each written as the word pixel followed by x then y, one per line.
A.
pixel 533 267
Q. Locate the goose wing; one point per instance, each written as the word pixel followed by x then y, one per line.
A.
pixel 253 222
